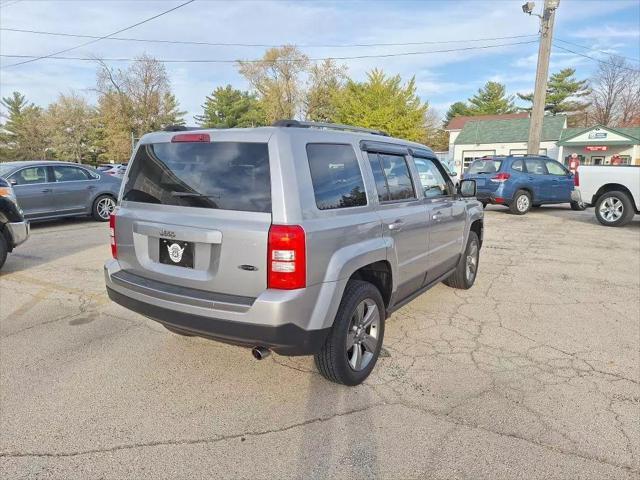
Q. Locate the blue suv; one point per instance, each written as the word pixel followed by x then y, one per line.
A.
pixel 522 182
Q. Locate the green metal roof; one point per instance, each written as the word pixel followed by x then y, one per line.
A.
pixel 509 131
pixel 632 133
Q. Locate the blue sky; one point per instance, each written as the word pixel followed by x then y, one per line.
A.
pixel 442 78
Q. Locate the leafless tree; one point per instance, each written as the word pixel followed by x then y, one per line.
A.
pixel 615 97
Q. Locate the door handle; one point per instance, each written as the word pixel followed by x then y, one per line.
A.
pixel 47 190
pixel 91 187
pixel 395 226
pixel 437 216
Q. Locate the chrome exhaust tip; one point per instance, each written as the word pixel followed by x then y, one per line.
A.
pixel 260 353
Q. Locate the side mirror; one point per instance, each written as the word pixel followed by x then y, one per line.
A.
pixel 467 188
pixel 13 181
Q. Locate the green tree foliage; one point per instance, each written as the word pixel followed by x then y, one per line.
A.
pixel 135 101
pixel 24 134
pixel 564 92
pixel 383 103
pixel 457 109
pixel 326 79
pixel 277 80
pixel 72 123
pixel 228 107
pixel 492 99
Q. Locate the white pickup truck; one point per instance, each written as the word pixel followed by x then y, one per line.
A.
pixel 614 191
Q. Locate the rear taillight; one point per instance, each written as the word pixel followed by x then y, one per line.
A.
pixel 191 137
pixel 576 179
pixel 112 234
pixel 286 257
pixel 501 177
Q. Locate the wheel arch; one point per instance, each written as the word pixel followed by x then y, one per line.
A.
pixel 611 187
pixel 380 275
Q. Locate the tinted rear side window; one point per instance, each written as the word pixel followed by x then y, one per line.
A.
pixel 393 180
pixel 336 177
pixel 224 175
pixel 518 166
pixel 485 165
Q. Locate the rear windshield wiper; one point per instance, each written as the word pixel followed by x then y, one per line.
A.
pixel 193 194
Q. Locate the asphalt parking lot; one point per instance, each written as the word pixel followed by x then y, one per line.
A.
pixel 533 373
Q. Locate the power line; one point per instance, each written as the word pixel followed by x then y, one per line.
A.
pixel 596 50
pixel 265 45
pixel 355 57
pixel 101 38
pixel 594 58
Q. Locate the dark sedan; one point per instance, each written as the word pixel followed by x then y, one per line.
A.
pixel 47 189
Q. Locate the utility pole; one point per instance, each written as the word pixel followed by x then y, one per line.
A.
pixel 542 72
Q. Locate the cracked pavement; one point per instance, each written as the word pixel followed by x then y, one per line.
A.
pixel 533 373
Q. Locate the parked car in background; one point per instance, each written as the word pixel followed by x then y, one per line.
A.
pixel 47 189
pixel 114 169
pixel 523 182
pixel 614 191
pixel 300 238
pixel 14 229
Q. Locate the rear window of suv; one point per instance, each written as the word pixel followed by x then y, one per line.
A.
pixel 485 165
pixel 223 175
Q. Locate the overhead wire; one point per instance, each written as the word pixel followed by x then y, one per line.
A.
pixel 35 59
pixel 593 58
pixel 265 45
pixel 597 50
pixel 347 57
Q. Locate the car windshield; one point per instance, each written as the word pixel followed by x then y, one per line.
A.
pixel 5 170
pixel 485 165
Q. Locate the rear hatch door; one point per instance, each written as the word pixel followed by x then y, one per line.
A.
pixel 196 213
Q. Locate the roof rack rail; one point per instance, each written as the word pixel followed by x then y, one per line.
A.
pixel 179 128
pixel 328 126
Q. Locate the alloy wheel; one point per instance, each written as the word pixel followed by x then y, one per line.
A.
pixel 363 335
pixel 611 209
pixel 522 203
pixel 472 262
pixel 105 207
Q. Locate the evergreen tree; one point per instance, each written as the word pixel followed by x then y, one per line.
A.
pixel 563 94
pixel 457 109
pixel 24 135
pixel 491 100
pixel 228 107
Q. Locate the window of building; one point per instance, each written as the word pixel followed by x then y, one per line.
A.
pixel 336 177
pixel 392 177
pixel 433 183
pixel 535 166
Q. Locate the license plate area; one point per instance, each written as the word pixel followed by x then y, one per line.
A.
pixel 176 252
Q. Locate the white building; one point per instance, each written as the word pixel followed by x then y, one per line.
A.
pixel 601 145
pixel 475 137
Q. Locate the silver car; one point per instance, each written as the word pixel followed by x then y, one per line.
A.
pixel 47 190
pixel 301 238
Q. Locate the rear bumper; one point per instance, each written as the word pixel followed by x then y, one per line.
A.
pixel 286 339
pixel 19 232
pixel 290 322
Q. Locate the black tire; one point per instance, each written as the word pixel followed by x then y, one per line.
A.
pixel 618 201
pixel 333 360
pixel 521 203
pixel 97 212
pixel 4 249
pixel 578 206
pixel 178 331
pixel 460 279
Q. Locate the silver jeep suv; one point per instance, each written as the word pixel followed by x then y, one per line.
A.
pixel 301 238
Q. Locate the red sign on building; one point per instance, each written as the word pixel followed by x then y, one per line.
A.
pixel 596 148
